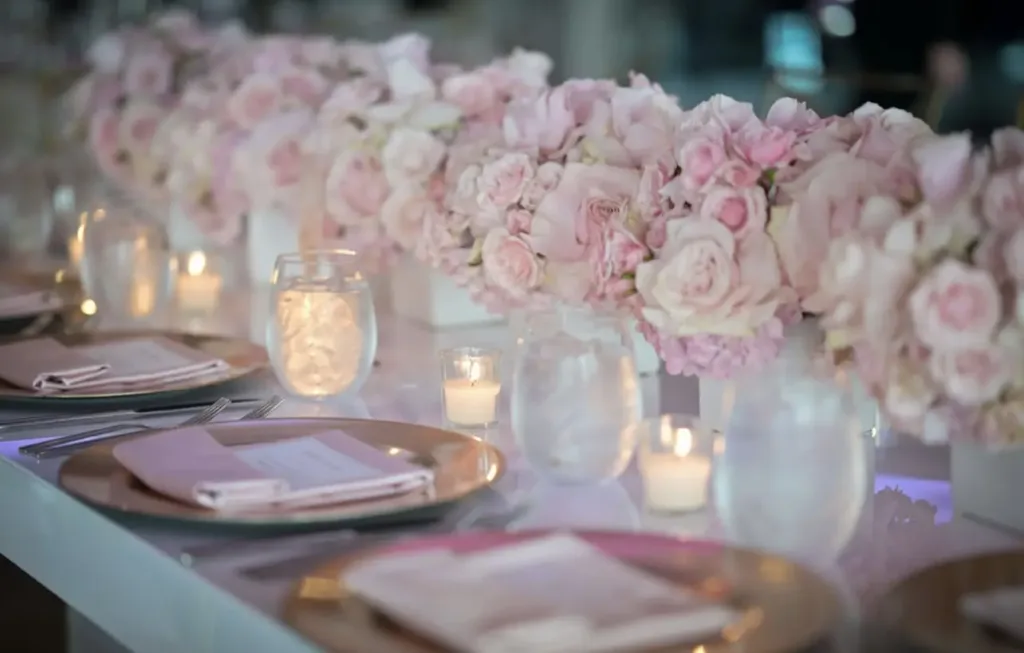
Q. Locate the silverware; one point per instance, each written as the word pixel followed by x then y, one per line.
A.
pixel 36 422
pixel 264 409
pixel 76 441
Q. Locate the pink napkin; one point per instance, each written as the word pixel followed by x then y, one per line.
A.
pixel 501 600
pixel 323 469
pixel 1002 608
pixel 48 366
pixel 17 300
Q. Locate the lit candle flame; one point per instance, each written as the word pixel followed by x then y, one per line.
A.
pixel 684 442
pixel 196 264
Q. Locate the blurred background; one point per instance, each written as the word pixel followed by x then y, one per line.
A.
pixel 957 63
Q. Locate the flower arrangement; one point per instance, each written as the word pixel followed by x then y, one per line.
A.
pixel 925 294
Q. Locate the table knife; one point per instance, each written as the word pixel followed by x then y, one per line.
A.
pixel 47 421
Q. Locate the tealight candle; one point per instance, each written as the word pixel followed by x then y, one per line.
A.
pixel 198 287
pixel 675 476
pixel 470 387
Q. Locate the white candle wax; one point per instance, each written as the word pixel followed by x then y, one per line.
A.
pixel 197 288
pixel 674 483
pixel 470 403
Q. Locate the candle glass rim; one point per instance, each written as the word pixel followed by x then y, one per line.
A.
pixel 448 353
pixel 348 257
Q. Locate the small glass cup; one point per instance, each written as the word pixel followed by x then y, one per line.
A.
pixel 470 387
pixel 675 459
pixel 322 331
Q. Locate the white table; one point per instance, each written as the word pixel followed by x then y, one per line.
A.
pixel 126 579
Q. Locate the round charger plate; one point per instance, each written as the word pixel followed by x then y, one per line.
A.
pixel 924 608
pixel 243 358
pixel 785 608
pixel 462 465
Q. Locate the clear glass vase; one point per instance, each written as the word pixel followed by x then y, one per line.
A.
pixel 322 331
pixel 575 395
pixel 126 259
pixel 793 470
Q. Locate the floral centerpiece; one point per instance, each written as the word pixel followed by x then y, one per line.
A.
pixel 925 295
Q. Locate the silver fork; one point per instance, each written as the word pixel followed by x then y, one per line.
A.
pixel 76 441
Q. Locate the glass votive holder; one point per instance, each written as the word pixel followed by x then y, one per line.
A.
pixel 198 280
pixel 470 387
pixel 322 330
pixel 675 459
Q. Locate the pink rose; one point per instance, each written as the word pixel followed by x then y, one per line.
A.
pixel 518 221
pixel 704 282
pixel 356 186
pixel 768 147
pixel 955 307
pixel 699 159
pixel 502 182
pixel 545 179
pixel 411 156
pixel 972 376
pixel 826 203
pixel 945 166
pixel 587 197
pixel 148 74
pixel 742 211
pixel 271 160
pixel 474 93
pixel 1002 199
pixel 510 264
pixel 1013 254
pixel 405 213
pixel 257 98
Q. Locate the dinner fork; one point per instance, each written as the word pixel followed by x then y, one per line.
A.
pixel 76 441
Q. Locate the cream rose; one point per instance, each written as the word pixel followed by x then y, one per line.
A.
pixel 703 282
pixel 509 263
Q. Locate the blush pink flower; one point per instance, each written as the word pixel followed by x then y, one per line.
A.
pixel 474 93
pixel 742 210
pixel 356 187
pixel 148 73
pixel 405 213
pixel 509 263
pixel 256 99
pixel 502 182
pixel 411 156
pixel 955 307
pixel 586 198
pixel 972 376
pixel 703 282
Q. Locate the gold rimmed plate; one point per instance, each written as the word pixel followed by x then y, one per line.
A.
pixel 784 607
pixel 243 358
pixel 924 609
pixel 461 465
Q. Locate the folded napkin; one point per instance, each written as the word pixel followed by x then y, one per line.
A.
pixel 46 365
pixel 501 600
pixel 323 469
pixel 17 300
pixel 1002 609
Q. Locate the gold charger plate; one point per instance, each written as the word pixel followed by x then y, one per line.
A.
pixel 462 465
pixel 243 358
pixel 924 608
pixel 784 607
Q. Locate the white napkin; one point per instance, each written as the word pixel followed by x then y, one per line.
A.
pixel 322 469
pixel 553 594
pixel 16 301
pixel 1002 608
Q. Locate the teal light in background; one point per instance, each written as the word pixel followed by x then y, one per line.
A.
pixel 793 43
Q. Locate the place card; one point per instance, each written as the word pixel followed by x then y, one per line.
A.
pixel 501 600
